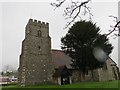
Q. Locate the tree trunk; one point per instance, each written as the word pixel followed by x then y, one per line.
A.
pixel 92 75
pixel 80 75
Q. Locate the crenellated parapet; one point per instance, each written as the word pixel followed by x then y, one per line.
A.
pixel 36 65
pixel 39 23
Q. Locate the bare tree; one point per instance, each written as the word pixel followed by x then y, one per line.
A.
pixel 8 68
pixel 73 10
pixel 116 28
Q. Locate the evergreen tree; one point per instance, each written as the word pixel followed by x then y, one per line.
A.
pixel 79 43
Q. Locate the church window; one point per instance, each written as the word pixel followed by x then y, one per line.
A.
pixel 39 33
pixel 39 47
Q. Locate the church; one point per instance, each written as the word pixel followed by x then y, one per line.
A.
pixel 39 64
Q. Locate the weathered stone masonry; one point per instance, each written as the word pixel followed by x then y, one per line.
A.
pixel 36 64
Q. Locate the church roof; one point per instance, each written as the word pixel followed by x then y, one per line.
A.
pixel 60 59
pixel 112 62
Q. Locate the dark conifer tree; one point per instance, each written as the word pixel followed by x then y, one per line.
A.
pixel 79 43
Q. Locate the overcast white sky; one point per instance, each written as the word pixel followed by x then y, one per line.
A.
pixel 15 15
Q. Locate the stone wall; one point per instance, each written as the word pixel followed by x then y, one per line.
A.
pixel 110 73
pixel 75 76
pixel 36 64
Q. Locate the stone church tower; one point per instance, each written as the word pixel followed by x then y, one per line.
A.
pixel 36 66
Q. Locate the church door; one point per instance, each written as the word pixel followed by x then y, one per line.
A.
pixel 65 80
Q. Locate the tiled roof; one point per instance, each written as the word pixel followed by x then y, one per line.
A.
pixel 60 59
pixel 111 61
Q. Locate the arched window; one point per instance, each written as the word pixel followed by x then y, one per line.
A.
pixel 39 33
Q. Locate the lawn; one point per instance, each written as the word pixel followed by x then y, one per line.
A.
pixel 98 85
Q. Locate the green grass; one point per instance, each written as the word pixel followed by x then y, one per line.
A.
pixel 109 84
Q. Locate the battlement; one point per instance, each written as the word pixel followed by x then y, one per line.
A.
pixel 36 22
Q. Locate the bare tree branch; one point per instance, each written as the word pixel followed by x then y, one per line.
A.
pixel 60 2
pixel 73 11
pixel 116 18
pixel 115 27
pixel 73 18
